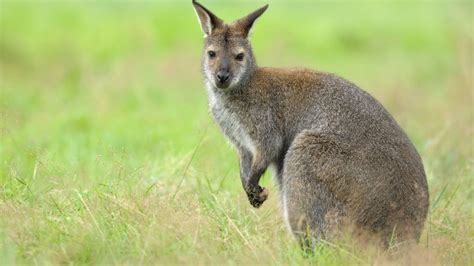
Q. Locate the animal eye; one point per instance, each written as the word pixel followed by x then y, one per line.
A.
pixel 239 57
pixel 211 54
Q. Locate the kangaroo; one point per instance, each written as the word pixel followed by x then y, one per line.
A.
pixel 339 158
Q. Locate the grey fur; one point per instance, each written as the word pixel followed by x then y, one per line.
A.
pixel 340 159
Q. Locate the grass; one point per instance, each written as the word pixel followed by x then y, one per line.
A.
pixel 108 154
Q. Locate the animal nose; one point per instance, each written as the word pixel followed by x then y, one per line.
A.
pixel 222 76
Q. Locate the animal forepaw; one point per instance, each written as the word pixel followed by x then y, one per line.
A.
pixel 257 196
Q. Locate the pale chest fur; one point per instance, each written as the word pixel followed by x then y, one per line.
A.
pixel 230 123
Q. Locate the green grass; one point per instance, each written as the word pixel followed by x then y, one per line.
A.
pixel 108 154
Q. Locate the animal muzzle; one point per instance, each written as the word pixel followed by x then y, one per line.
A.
pixel 222 79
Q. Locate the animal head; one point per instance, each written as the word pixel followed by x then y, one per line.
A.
pixel 228 60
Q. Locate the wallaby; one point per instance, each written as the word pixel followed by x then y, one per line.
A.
pixel 339 158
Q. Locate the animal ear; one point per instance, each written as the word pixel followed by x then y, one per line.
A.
pixel 208 20
pixel 246 23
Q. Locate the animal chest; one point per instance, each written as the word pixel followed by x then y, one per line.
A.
pixel 233 127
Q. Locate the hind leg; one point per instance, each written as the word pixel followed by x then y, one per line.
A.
pixel 310 208
pixel 311 212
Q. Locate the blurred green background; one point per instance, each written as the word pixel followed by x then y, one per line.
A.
pixel 108 154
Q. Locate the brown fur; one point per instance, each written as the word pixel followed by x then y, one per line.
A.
pixel 340 158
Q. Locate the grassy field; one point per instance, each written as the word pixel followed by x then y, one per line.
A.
pixel 108 154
